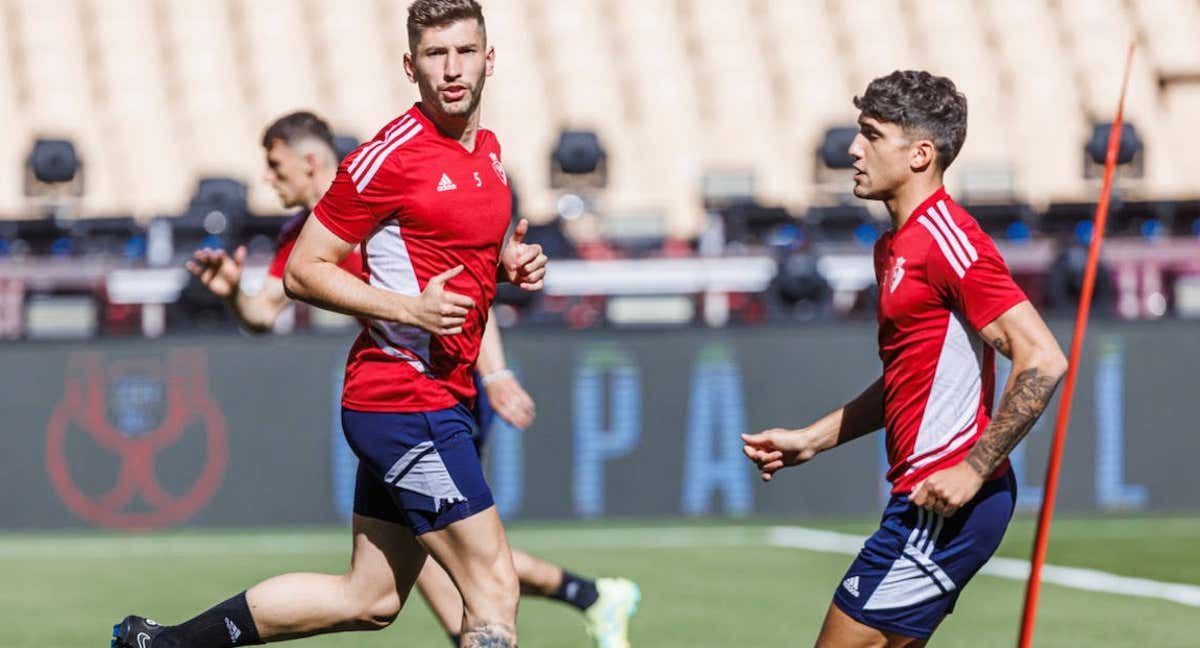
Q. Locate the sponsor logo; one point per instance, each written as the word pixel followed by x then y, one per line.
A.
pixel 136 408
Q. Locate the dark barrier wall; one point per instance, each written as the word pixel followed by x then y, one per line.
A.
pixel 234 430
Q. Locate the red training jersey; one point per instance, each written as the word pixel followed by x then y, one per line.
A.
pixel 941 280
pixel 419 204
pixel 287 240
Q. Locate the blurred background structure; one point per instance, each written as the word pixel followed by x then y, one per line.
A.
pixel 684 164
pixel 698 142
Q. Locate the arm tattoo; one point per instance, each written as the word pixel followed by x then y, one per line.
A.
pixel 489 635
pixel 1023 403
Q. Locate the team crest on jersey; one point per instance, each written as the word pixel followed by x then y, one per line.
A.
pixel 498 168
pixel 897 273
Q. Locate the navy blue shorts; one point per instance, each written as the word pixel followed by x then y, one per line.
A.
pixel 908 575
pixel 417 469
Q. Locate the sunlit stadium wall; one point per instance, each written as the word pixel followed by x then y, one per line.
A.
pixel 228 431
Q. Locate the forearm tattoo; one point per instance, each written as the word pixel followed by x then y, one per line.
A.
pixel 1023 403
pixel 489 635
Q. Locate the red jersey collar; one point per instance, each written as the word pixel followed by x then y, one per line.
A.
pixel 938 194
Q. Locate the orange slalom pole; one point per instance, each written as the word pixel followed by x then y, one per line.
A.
pixel 1033 586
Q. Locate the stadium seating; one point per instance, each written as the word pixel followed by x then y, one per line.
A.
pixel 157 94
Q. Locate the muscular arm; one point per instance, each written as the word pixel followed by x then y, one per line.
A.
pixel 859 417
pixel 774 449
pixel 491 350
pixel 312 275
pixel 1037 367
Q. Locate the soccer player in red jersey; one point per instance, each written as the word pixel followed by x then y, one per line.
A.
pixel 428 202
pixel 301 165
pixel 946 304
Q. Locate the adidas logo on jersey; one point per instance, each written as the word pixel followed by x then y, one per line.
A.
pixel 851 585
pixel 446 184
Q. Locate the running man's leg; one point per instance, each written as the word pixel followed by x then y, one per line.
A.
pixel 383 568
pixel 385 562
pixel 443 598
pixel 474 551
pixel 841 631
pixel 606 603
pixel 428 468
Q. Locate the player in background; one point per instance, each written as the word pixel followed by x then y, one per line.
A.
pixel 301 164
pixel 946 303
pixel 434 250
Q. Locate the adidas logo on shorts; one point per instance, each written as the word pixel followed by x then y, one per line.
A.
pixel 234 631
pixel 851 585
pixel 446 184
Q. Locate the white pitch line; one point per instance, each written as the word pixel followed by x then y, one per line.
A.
pixel 1091 580
pixel 294 543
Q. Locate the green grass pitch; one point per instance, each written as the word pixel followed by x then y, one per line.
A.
pixel 703 583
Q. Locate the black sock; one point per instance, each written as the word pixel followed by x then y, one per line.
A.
pixel 227 624
pixel 454 638
pixel 576 591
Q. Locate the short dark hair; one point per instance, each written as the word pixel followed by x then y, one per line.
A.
pixel 423 14
pixel 919 101
pixel 292 128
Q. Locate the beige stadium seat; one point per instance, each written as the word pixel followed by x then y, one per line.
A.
pixel 739 110
pixel 391 17
pixel 664 113
pixel 1170 27
pixel 516 108
pixel 51 45
pixel 878 37
pixel 584 74
pixel 281 63
pixel 1047 124
pixel 655 48
pixel 1182 106
pixel 955 45
pixel 147 165
pixel 812 76
pixel 217 132
pixel 1099 32
pixel 812 69
pixel 61 102
pixel 353 59
pixel 12 155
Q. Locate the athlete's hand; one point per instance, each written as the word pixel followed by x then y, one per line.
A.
pixel 777 448
pixel 440 311
pixel 524 264
pixel 511 401
pixel 219 272
pixel 947 490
